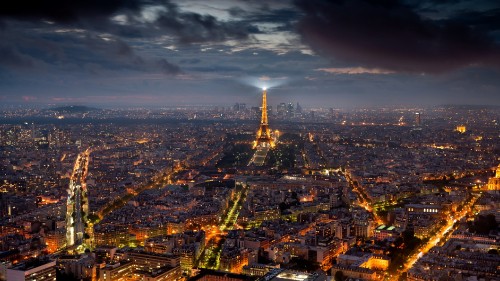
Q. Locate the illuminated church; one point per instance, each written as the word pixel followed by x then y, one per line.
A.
pixel 494 182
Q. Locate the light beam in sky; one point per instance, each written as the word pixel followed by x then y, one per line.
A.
pixel 264 82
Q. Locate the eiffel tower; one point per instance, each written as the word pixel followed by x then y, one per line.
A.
pixel 264 134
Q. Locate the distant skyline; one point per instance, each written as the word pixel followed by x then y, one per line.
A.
pixel 356 53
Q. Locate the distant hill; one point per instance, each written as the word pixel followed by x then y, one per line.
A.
pixel 74 109
pixel 469 107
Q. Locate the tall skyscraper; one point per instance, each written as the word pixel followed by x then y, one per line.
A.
pixel 418 120
pixel 298 108
pixel 290 111
pixel 281 109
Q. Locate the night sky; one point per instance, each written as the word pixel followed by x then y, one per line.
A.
pixel 184 52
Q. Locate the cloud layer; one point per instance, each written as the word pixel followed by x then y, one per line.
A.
pixel 195 51
pixel 86 33
pixel 354 70
pixel 392 35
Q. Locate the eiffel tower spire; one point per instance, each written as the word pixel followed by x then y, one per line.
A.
pixel 264 134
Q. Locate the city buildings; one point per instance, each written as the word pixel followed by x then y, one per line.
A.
pixel 163 195
pixel 32 270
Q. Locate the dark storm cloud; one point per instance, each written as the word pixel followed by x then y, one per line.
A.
pixel 28 49
pixel 217 68
pixel 167 67
pixel 285 18
pixel 12 58
pixel 190 61
pixel 391 35
pixel 113 47
pixel 64 11
pixel 267 16
pixel 484 20
pixel 94 17
pixel 189 27
pixel 194 28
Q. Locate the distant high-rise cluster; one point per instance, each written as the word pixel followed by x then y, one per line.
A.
pixel 281 111
pixel 288 110
pixel 239 107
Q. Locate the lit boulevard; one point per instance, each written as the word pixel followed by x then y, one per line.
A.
pixel 211 254
pixel 441 233
pixel 363 201
pixel 79 230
